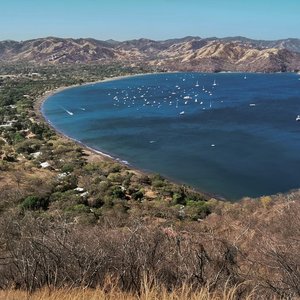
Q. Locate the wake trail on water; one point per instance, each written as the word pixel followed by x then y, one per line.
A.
pixel 67 111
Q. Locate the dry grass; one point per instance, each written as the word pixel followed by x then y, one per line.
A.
pixel 155 293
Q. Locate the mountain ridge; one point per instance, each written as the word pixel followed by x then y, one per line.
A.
pixel 191 53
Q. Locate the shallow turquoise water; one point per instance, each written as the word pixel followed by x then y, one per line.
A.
pixel 230 134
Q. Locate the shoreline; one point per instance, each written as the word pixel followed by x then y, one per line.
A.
pixel 94 154
pixel 99 155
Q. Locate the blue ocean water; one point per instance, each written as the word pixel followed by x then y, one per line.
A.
pixel 230 134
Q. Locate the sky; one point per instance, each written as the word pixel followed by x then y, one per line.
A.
pixel 155 19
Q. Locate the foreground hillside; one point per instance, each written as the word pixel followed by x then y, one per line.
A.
pixel 70 219
pixel 190 53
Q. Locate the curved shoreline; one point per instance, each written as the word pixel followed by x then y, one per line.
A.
pixel 101 155
pixel 111 156
pixel 89 150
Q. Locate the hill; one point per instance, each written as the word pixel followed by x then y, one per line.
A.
pixel 184 54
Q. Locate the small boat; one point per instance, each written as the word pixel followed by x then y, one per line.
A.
pixel 245 77
pixel 298 118
pixel 197 84
pixel 214 84
pixel 187 97
pixel 181 113
pixel 70 113
pixel 252 104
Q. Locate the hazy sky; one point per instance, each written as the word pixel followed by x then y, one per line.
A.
pixel 155 19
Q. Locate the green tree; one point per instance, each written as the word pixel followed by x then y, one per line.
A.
pixel 34 203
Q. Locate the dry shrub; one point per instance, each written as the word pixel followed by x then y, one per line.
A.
pixel 250 253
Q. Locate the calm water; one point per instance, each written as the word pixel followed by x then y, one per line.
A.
pixel 227 133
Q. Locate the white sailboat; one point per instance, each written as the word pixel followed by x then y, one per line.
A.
pixel 69 112
pixel 214 84
pixel 197 84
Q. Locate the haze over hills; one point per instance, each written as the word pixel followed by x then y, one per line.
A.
pixel 183 54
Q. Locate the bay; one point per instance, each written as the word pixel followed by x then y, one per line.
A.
pixel 229 134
